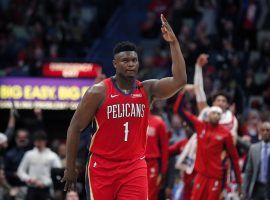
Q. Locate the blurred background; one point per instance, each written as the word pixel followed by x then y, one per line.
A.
pixel 52 51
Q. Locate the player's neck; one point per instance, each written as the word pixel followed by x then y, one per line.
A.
pixel 124 84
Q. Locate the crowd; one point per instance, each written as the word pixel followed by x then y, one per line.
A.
pixel 234 34
pixel 36 32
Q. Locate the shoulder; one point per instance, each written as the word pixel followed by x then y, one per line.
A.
pixel 29 153
pixel 157 118
pixel 11 152
pixel 97 91
pixel 98 88
pixel 225 130
pixel 255 146
pixel 148 84
pixel 52 153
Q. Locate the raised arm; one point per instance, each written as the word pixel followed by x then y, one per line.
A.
pixel 191 119
pixel 198 82
pixel 167 87
pixel 82 117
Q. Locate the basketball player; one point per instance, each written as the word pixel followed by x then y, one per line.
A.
pixel 156 154
pixel 212 139
pixel 120 106
pixel 220 99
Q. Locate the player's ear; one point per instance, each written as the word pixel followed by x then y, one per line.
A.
pixel 114 63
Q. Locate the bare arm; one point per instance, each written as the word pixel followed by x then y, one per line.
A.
pixel 167 87
pixel 82 117
pixel 10 131
pixel 198 82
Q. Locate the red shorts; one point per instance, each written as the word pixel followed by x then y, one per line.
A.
pixel 109 180
pixel 152 174
pixel 206 188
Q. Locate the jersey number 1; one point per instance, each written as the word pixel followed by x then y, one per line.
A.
pixel 126 131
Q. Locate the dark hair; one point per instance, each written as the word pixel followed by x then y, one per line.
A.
pixel 40 135
pixel 124 46
pixel 222 93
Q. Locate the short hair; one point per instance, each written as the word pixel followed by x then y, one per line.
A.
pixel 40 135
pixel 124 46
pixel 221 93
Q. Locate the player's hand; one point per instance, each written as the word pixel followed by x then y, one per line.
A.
pixel 167 31
pixel 189 88
pixel 70 177
pixel 202 59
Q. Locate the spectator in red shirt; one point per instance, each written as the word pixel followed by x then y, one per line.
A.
pixel 156 154
pixel 212 140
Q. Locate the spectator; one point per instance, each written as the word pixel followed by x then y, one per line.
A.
pixel 14 156
pixel 268 180
pixel 3 146
pixel 72 195
pixel 4 186
pixel 35 168
pixel 255 179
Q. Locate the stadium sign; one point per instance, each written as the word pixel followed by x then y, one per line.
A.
pixel 71 70
pixel 44 93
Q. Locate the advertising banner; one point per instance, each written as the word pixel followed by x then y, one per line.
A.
pixel 71 70
pixel 44 93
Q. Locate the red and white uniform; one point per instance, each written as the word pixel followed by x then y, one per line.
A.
pixel 156 153
pixel 211 141
pixel 117 169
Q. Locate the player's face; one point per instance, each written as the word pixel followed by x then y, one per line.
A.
pixel 214 117
pixel 40 144
pixel 265 131
pixel 221 102
pixel 126 64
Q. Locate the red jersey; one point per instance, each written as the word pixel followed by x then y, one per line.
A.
pixel 178 147
pixel 121 123
pixel 157 141
pixel 212 140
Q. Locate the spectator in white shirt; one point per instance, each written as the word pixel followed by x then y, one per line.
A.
pixel 35 168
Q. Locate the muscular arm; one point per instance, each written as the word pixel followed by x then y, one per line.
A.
pixel 167 87
pixel 83 115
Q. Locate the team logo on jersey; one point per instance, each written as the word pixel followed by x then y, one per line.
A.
pixel 114 95
pixel 136 95
pixel 151 131
pixel 218 137
pixel 202 134
pixel 125 110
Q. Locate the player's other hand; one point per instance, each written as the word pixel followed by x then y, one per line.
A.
pixel 70 177
pixel 202 59
pixel 190 88
pixel 166 30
